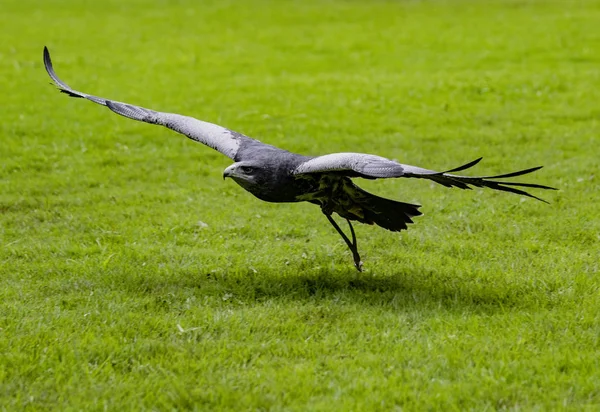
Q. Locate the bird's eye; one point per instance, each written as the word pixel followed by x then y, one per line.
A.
pixel 247 169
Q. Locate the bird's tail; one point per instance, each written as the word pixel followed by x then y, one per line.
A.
pixel 389 214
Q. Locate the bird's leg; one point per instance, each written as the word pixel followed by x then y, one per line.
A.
pixel 351 245
pixel 357 262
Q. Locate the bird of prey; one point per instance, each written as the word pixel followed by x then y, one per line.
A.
pixel 276 175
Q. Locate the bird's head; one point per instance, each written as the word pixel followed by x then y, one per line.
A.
pixel 266 178
pixel 244 173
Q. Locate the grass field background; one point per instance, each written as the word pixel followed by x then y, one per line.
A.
pixel 133 277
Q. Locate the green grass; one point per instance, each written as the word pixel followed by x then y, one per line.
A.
pixel 133 277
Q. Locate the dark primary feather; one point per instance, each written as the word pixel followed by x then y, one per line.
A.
pixel 464 182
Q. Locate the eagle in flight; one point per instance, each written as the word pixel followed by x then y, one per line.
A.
pixel 276 175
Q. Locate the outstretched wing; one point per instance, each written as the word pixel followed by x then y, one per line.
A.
pixel 219 138
pixel 376 167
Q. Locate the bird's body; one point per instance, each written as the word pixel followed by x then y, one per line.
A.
pixel 271 178
pixel 276 175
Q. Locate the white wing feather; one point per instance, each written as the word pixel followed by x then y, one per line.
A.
pixel 365 164
pixel 212 135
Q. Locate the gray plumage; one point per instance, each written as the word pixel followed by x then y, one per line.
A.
pixel 275 175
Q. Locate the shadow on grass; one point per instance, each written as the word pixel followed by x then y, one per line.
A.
pixel 427 289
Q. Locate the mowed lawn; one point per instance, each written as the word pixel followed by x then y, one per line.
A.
pixel 133 277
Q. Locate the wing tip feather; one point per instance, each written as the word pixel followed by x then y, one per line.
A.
pixel 464 167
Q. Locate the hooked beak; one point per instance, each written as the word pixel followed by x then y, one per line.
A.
pixel 228 172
